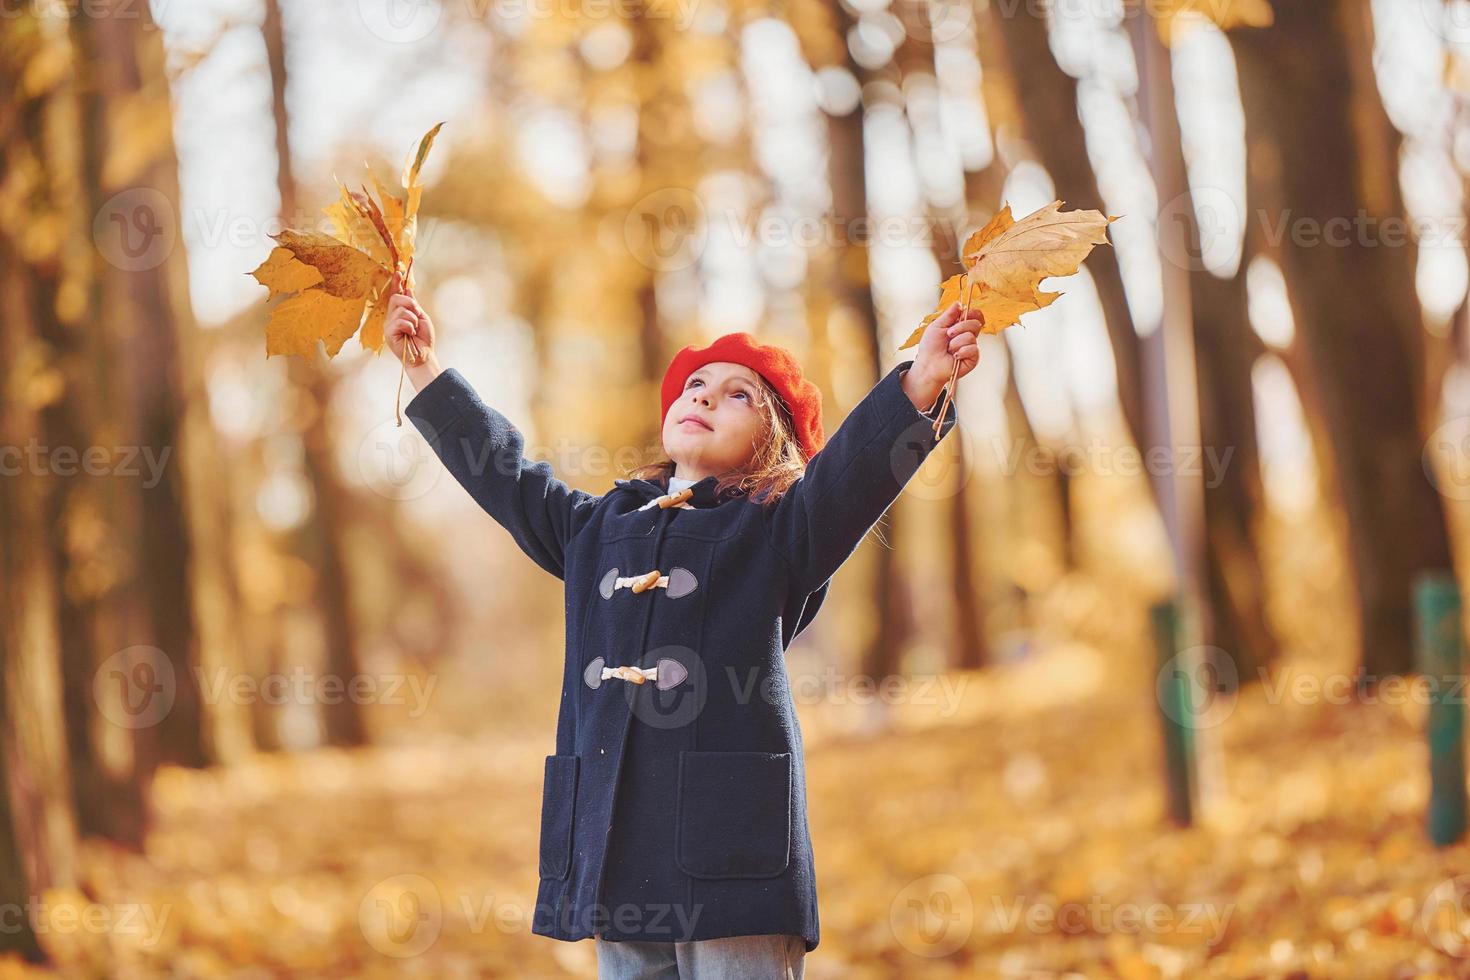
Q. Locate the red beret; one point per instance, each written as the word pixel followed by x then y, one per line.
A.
pixel 775 364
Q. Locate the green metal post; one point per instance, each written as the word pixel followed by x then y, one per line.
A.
pixel 1440 647
pixel 1176 713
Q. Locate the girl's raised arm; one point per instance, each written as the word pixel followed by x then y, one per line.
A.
pixel 481 447
pixel 851 482
pixel 484 451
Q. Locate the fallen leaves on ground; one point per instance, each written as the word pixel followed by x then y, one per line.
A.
pixel 1013 830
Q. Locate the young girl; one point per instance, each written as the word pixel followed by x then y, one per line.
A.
pixel 673 816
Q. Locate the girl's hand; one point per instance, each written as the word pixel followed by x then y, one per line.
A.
pixel 947 341
pixel 406 320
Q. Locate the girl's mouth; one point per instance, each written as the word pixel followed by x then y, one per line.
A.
pixel 696 423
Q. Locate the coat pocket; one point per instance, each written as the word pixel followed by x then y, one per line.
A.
pixel 734 814
pixel 558 802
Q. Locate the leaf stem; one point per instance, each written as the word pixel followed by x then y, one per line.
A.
pixel 402 371
pixel 955 368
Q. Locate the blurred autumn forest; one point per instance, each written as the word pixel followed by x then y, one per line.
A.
pixel 275 693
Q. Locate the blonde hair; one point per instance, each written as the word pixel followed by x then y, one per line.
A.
pixel 776 460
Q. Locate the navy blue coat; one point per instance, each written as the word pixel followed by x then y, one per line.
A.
pixel 675 809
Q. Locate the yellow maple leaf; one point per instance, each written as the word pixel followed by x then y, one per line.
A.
pixel 336 284
pixel 314 315
pixel 1006 260
pixel 342 270
pixel 412 169
pixel 353 227
pixel 1169 15
pixel 393 214
pixel 371 335
pixel 283 272
pixel 997 224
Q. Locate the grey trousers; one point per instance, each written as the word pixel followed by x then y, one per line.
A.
pixel 772 957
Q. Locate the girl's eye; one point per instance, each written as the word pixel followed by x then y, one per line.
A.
pixel 699 381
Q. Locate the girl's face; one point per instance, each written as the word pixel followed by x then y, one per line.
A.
pixel 715 423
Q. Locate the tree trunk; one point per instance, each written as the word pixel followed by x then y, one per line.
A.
pixel 1232 584
pixel 17 887
pixel 914 61
pixel 322 538
pixel 86 528
pixel 120 58
pixel 37 828
pixel 1226 349
pixel 1353 296
pixel 1047 97
pixel 654 141
pixel 853 288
